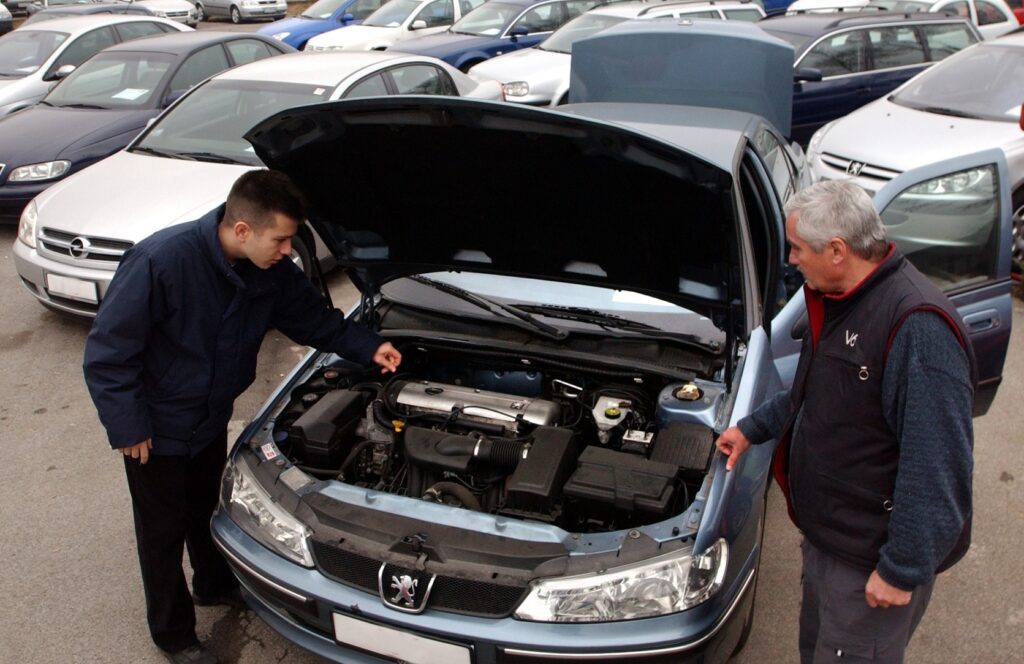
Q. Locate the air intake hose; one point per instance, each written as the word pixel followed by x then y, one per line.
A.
pixel 501 452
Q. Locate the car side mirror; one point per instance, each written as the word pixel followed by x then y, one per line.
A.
pixel 519 31
pixel 418 24
pixel 807 75
pixel 61 72
pixel 345 18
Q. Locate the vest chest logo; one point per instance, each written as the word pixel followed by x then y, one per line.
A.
pixel 851 339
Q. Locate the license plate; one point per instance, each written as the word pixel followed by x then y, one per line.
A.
pixel 76 289
pixel 397 644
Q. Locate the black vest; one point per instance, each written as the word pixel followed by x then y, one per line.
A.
pixel 839 469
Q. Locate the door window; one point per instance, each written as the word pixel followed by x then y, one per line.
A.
pixel 545 18
pixel 130 31
pixel 895 47
pixel 360 9
pixel 422 80
pixel 838 55
pixel 948 227
pixel 199 67
pixel 779 168
pixel 371 86
pixel 466 6
pixel 701 14
pixel 988 13
pixel 85 47
pixel 437 14
pixel 248 50
pixel 746 14
pixel 945 40
pixel 574 8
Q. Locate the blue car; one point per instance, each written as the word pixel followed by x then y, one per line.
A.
pixel 843 61
pixel 539 483
pixel 102 105
pixel 322 16
pixel 497 27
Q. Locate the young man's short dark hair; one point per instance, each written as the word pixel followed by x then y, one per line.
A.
pixel 256 195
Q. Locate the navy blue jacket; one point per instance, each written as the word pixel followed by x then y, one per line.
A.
pixel 176 338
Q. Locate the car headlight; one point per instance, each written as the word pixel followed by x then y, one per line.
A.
pixel 280 36
pixel 160 13
pixel 250 3
pixel 27 225
pixel 47 170
pixel 955 183
pixel 656 587
pixel 815 145
pixel 516 89
pixel 255 512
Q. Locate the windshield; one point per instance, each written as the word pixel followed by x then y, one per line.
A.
pixel 211 121
pixel 487 20
pixel 113 80
pixel 24 51
pixel 323 9
pixel 578 28
pixel 982 81
pixel 392 14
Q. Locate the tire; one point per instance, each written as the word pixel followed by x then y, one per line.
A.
pixel 200 13
pixel 236 16
pixel 301 256
pixel 1017 248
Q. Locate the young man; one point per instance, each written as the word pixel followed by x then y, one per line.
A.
pixel 875 435
pixel 174 343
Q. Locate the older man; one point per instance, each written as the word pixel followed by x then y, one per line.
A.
pixel 875 451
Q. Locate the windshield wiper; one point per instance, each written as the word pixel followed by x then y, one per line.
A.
pixel 949 111
pixel 209 156
pixel 91 106
pixel 513 315
pixel 617 324
pixel 170 154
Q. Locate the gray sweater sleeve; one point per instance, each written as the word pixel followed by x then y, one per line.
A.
pixel 767 421
pixel 928 401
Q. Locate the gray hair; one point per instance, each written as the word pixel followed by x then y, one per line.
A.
pixel 839 208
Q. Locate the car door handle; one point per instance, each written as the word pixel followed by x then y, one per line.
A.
pixel 982 320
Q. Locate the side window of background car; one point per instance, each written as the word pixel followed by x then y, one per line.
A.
pixel 988 13
pixel 837 55
pixel 960 8
pixel 541 19
pixel 85 47
pixel 743 14
pixel 198 67
pixel 371 86
pixel 776 162
pixel 701 14
pixel 895 46
pixel 574 8
pixel 360 9
pixel 422 80
pixel 466 6
pixel 248 50
pixel 130 31
pixel 945 40
pixel 438 13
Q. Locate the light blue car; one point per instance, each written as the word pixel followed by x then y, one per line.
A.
pixel 322 16
pixel 539 483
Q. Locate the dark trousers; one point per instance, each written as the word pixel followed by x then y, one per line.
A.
pixel 836 623
pixel 173 498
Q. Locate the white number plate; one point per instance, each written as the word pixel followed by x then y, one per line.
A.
pixel 76 289
pixel 397 644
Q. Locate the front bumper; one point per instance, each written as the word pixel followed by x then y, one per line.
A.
pixel 301 603
pixel 33 268
pixel 274 12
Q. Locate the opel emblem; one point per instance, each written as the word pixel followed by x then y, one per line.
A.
pixel 79 247
pixel 405 590
pixel 854 168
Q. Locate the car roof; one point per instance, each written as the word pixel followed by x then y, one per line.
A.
pixel 79 24
pixel 327 69
pixel 816 24
pixel 178 42
pixel 639 8
pixel 521 3
pixel 1015 38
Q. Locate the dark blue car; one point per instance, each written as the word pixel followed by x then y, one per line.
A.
pixel 845 61
pixel 320 17
pixel 497 27
pixel 106 102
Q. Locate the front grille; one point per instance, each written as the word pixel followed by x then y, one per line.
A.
pixel 449 593
pixel 100 249
pixel 176 14
pixel 854 168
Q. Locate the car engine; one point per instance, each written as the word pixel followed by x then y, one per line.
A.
pixel 581 450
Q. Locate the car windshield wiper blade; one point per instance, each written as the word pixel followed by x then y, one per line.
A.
pixel 209 156
pixel 949 111
pixel 78 106
pixel 508 313
pixel 156 152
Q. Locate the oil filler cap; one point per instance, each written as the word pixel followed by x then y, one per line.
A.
pixel 688 392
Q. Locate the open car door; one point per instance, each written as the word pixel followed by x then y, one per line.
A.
pixel 952 219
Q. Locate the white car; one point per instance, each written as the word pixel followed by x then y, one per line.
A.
pixel 72 236
pixel 396 21
pixel 539 76
pixel 968 102
pixel 181 11
pixel 992 17
pixel 34 57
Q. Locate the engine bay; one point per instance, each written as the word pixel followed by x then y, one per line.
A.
pixel 586 449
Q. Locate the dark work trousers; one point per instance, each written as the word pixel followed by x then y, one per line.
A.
pixel 836 623
pixel 173 498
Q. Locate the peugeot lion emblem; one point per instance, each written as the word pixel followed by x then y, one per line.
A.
pixel 79 247
pixel 405 587
pixel 854 168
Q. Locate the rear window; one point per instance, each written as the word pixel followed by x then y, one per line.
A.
pixel 896 46
pixel 945 40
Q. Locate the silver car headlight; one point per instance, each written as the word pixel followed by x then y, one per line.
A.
pixel 955 183
pixel 27 225
pixel 159 13
pixel 280 36
pixel 47 170
pixel 255 512
pixel 656 587
pixel 814 146
pixel 516 89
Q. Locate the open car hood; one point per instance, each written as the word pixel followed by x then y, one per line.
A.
pixel 718 64
pixel 419 184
